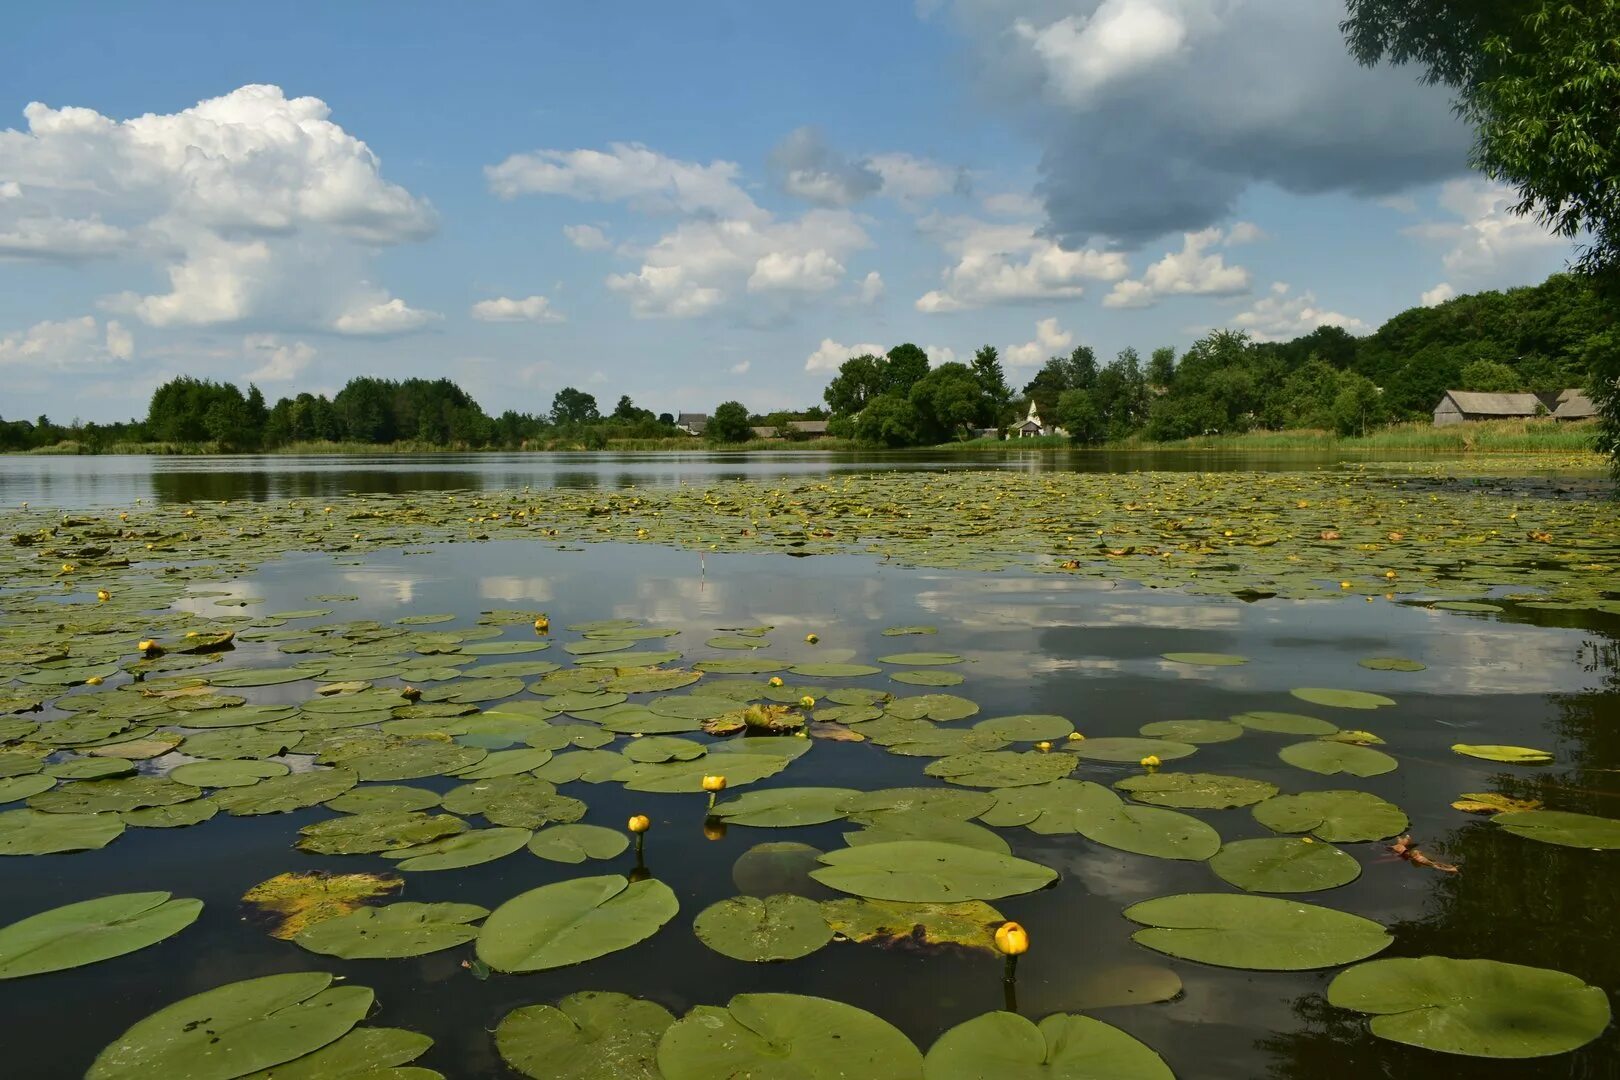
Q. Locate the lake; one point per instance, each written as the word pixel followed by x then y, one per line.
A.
pixel 1103 593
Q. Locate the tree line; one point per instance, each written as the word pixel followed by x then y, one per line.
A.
pixel 1547 337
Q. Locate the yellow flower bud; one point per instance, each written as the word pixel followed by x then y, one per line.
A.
pixel 411 693
pixel 68 568
pixel 1075 736
pixel 1043 746
pixel 542 625
pixel 776 680
pixel 146 645
pixel 714 784
pixel 1344 584
pixel 639 824
pixel 1389 574
pixel 103 595
pixel 94 680
pixel 1151 762
pixel 1012 939
pixel 811 638
pixel 807 702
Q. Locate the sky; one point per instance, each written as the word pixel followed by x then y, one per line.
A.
pixel 690 203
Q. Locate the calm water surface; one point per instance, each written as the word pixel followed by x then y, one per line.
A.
pixel 1035 644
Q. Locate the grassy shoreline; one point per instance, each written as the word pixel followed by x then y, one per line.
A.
pixel 1487 437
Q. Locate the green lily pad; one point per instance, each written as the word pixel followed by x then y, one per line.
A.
pixel 226 774
pixel 921 825
pixel 1197 732
pixel 1124 749
pixel 738 768
pixel 235 1029
pixel 383 798
pixel 904 631
pixel 456 852
pixel 780 1035
pixel 1338 817
pixel 1282 723
pixel 777 867
pixel 519 801
pixel 1028 728
pixel 393 931
pixel 1507 755
pixel 356 834
pixel 928 678
pixel 943 802
pixel 178 816
pixel 591 1035
pixel 1257 933
pixel 785 807
pixel 1479 1008
pixel 921 659
pixel 1342 699
pixel 591 766
pixel 1004 1044
pixel 261 676
pixel 368 1053
pixel 1205 659
pixel 576 843
pixel 32 832
pixel 1092 811
pixel 658 748
pixel 834 671
pixel 414 760
pixel 937 707
pixel 1331 758
pixel 89 768
pixel 1001 768
pixel 1562 828
pixel 505 763
pixel 923 871
pixel 573 921
pixel 1283 865
pixel 1391 663
pixel 1196 791
pixel 915 927
pixel 781 927
pixel 92 930
pixel 14 788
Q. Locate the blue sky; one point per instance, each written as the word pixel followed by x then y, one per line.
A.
pixel 689 203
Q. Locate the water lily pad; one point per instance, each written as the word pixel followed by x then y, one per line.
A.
pixel 302 900
pixel 1562 828
pixel 1331 758
pixel 921 659
pixel 284 794
pixel 382 798
pixel 505 763
pixel 366 1053
pixel 262 676
pixel 32 832
pixel 785 807
pixel 1026 728
pixel 834 671
pixel 1257 933
pixel 921 825
pixel 355 834
pixel 235 1029
pixel 780 927
pixel 1092 811
pixel 1282 723
pixel 1004 1044
pixel 413 760
pixel 1391 663
pixel 1507 755
pixel 943 802
pixel 1123 749
pixel 1335 816
pixel 456 852
pixel 225 774
pixel 1122 984
pixel 1197 732
pixel 393 931
pixel 570 922
pixel 91 930
pixel 769 1035
pixel 1205 659
pixel 591 1035
pixel 1284 865
pixel 1001 768
pixel 1342 699
pixel 591 766
pixel 1196 791
pixel 739 768
pixel 904 631
pixel 923 871
pixel 576 843
pixel 14 788
pixel 657 748
pixel 1479 1008
pixel 180 815
pixel 937 677
pixel 914 927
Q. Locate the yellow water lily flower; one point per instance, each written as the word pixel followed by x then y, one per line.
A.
pixel 1151 762
pixel 94 680
pixel 1075 736
pixel 807 702
pixel 542 625
pixel 811 638
pixel 776 680
pixel 639 824
pixel 1043 746
pixel 103 595
pixel 714 784
pixel 1012 939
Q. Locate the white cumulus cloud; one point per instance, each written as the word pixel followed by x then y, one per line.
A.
pixel 67 345
pixel 1438 295
pixel 256 206
pixel 1122 37
pixel 1280 316
pixel 1050 339
pixel 741 367
pixel 586 237
pixel 1011 264
pixel 1195 270
pixel 830 355
pixel 383 317
pixel 625 172
pixel 872 287
pixel 1487 245
pixel 505 309
pixel 277 360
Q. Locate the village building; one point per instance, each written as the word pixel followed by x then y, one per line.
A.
pixel 693 423
pixel 1574 405
pixel 1032 427
pixel 1461 406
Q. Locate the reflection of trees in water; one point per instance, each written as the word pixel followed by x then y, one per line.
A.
pixel 1516 900
pixel 261 486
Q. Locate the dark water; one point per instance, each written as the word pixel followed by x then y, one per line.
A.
pixel 1087 650
pixel 69 482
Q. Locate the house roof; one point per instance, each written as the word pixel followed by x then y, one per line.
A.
pixel 763 431
pixel 808 427
pixel 687 417
pixel 1574 405
pixel 1473 404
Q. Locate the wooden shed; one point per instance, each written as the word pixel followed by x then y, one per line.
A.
pixel 1458 406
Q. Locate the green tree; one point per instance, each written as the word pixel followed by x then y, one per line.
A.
pixel 1161 371
pixel 997 395
pixel 1356 407
pixel 906 365
pixel 729 424
pixel 1077 413
pixel 1489 377
pixel 946 401
pixel 570 407
pixel 1538 79
pixel 888 420
pixel 859 380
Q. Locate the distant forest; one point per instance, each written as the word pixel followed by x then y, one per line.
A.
pixel 1546 337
